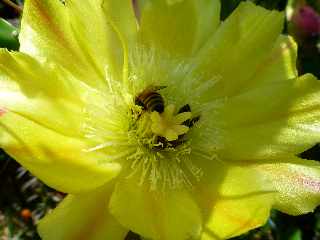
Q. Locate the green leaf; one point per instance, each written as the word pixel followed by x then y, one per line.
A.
pixel 8 35
pixel 296 235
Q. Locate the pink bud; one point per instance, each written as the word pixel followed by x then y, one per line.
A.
pixel 306 21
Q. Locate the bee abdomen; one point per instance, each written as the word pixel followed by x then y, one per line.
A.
pixel 152 101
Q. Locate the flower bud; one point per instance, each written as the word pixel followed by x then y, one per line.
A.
pixel 305 22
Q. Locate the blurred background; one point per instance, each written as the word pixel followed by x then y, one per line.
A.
pixel 24 199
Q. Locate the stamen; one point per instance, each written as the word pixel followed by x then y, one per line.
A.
pixel 108 144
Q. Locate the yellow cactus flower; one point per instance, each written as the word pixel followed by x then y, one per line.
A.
pixel 169 124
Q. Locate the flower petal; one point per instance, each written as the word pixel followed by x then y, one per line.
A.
pixel 152 214
pixel 41 124
pixel 233 54
pixel 233 216
pixel 60 161
pixel 280 65
pixel 60 33
pixel 82 216
pixel 123 21
pixel 182 27
pixel 239 197
pixel 96 37
pixel 287 122
pixel 296 181
pixel 122 18
pixel 233 198
pixel 55 103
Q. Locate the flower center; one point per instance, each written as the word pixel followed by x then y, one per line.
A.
pixel 166 127
pixel 154 134
pixel 159 133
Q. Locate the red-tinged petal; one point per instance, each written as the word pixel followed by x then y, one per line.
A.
pixel 296 181
pixel 63 33
pixel 240 196
pixel 3 111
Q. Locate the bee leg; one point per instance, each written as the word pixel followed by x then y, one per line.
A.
pixel 181 139
pixel 132 236
pixel 161 143
pixel 185 108
pixel 138 102
pixel 190 122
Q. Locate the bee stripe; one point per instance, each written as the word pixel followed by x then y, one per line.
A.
pixel 154 102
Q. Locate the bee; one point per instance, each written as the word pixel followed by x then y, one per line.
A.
pixel 151 100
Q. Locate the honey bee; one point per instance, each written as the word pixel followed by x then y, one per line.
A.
pixel 151 100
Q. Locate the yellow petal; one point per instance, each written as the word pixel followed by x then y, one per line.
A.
pixel 42 93
pixel 121 13
pixel 239 196
pixel 179 28
pixel 171 215
pixel 83 216
pixel 59 161
pixel 98 41
pixel 122 18
pixel 233 54
pixel 276 119
pixel 280 65
pixel 233 216
pixel 234 200
pixel 41 125
pixel 57 32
